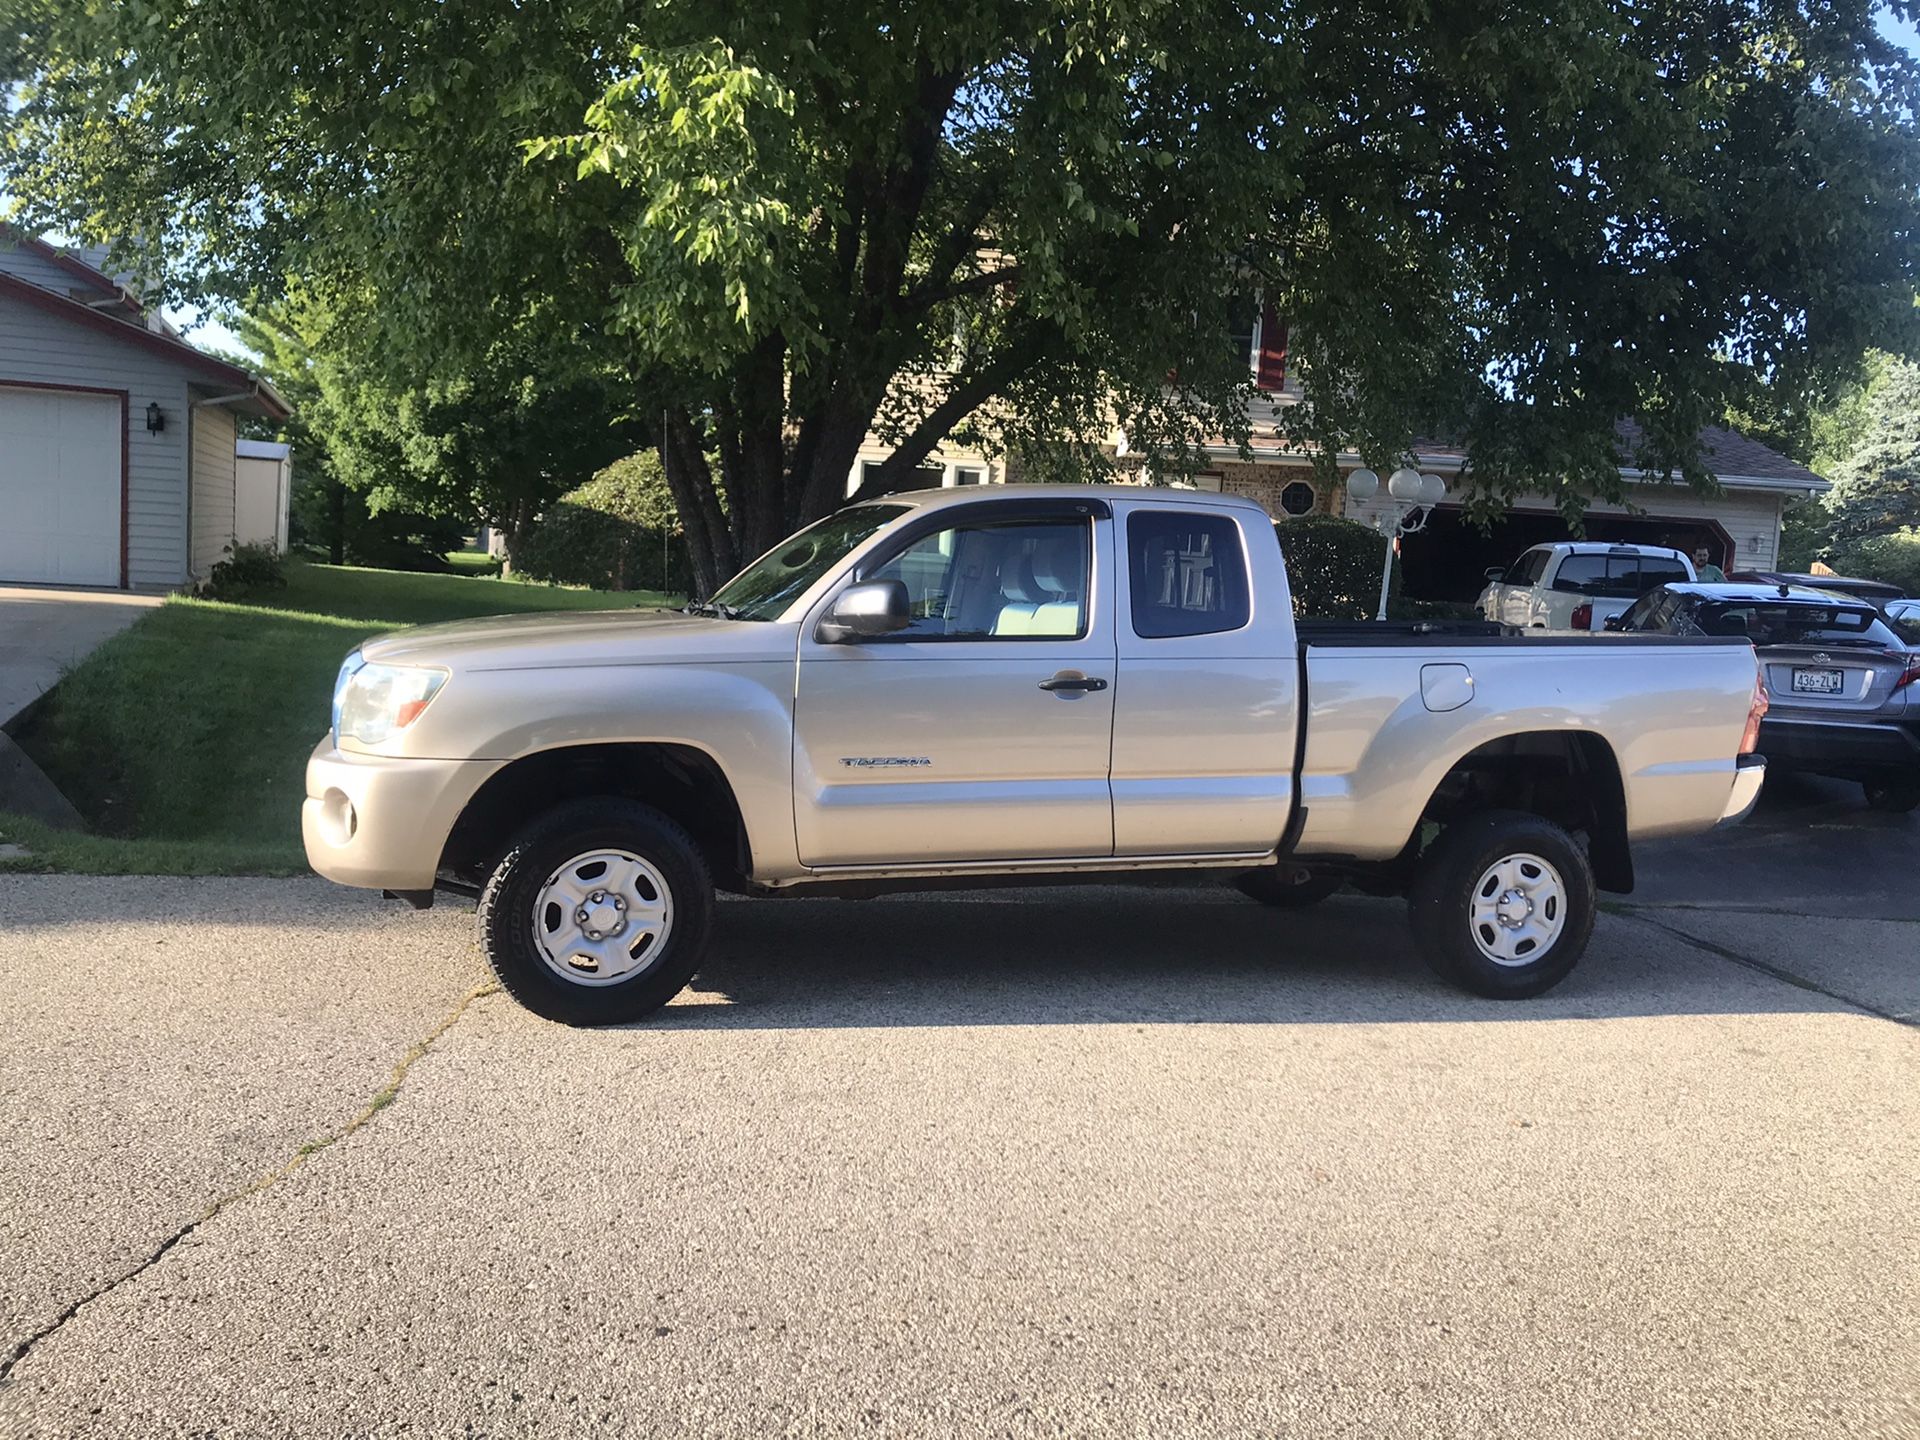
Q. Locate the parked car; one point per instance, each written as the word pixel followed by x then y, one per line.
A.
pixel 1840 677
pixel 1874 592
pixel 1904 616
pixel 1578 585
pixel 949 688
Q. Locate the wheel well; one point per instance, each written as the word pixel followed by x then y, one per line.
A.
pixel 684 783
pixel 1570 778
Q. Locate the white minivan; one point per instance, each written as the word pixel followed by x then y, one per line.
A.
pixel 1576 585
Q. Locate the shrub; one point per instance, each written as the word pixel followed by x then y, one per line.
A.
pixel 613 533
pixel 1894 558
pixel 247 570
pixel 1333 566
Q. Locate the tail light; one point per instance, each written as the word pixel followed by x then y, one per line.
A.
pixel 1911 673
pixel 1583 617
pixel 1756 712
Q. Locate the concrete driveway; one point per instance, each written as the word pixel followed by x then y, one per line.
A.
pixel 44 632
pixel 1090 1162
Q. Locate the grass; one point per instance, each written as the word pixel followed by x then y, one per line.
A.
pixel 183 740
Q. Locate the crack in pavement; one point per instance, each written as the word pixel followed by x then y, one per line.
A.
pixel 1762 967
pixel 382 1098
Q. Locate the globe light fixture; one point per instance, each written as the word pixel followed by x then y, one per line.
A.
pixel 1413 494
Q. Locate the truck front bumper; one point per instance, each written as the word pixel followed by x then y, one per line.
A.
pixel 381 821
pixel 1750 774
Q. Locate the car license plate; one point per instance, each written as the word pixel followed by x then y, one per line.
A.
pixel 1818 682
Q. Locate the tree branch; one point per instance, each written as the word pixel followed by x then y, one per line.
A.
pixel 970 390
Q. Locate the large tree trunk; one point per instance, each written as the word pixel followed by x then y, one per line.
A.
pixel 519 518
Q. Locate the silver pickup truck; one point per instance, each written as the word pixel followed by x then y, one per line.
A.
pixel 973 688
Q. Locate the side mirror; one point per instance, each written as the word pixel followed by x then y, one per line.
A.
pixel 1496 574
pixel 859 612
pixel 1614 622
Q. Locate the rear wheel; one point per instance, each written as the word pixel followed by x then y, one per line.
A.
pixel 1895 796
pixel 1288 887
pixel 598 914
pixel 1503 904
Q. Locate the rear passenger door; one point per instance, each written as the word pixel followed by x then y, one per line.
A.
pixel 1207 710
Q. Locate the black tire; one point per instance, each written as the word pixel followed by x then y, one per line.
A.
pixel 1440 903
pixel 1288 887
pixel 538 853
pixel 1896 797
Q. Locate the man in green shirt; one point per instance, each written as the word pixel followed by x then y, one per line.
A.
pixel 1704 567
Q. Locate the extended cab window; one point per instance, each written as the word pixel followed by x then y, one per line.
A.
pixel 1189 574
pixel 1012 580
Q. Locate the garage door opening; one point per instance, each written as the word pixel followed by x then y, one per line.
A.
pixel 61 472
pixel 1448 560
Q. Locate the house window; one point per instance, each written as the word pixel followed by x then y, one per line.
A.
pixel 1243 317
pixel 1298 498
pixel 969 475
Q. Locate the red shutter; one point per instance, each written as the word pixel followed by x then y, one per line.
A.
pixel 1271 371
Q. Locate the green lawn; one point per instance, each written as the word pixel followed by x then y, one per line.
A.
pixel 183 740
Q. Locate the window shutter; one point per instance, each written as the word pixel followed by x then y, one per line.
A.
pixel 1270 372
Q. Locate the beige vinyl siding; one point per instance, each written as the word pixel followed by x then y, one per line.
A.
pixel 214 486
pixel 42 348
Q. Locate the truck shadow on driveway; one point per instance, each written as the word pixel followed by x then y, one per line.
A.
pixel 1114 955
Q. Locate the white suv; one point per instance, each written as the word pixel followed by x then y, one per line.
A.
pixel 1576 585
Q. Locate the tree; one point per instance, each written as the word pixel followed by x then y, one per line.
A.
pixel 788 228
pixel 1876 487
pixel 494 444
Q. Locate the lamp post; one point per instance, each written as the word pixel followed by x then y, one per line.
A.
pixel 1412 493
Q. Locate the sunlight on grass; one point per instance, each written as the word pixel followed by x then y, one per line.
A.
pixel 184 739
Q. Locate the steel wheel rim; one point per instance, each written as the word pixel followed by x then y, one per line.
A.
pixel 1517 909
pixel 602 917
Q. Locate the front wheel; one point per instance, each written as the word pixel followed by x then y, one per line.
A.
pixel 1503 904
pixel 598 914
pixel 1894 796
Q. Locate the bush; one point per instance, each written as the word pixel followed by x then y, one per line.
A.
pixel 247 571
pixel 1894 558
pixel 1333 566
pixel 611 534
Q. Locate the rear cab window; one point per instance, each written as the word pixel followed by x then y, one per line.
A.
pixel 1618 576
pixel 1187 572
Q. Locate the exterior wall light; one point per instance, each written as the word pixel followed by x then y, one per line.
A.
pixel 156 418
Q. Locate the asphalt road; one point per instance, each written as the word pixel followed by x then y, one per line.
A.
pixel 1091 1162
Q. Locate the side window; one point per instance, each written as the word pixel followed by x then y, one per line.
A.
pixel 1014 580
pixel 1188 574
pixel 1526 570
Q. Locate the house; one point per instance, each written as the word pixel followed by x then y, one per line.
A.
pixel 118 460
pixel 1739 527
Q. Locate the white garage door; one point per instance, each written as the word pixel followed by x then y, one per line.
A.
pixel 59 487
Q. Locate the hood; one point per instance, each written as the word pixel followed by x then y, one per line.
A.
pixel 583 637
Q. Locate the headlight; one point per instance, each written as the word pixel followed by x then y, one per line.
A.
pixel 371 702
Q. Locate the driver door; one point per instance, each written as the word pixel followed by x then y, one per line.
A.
pixel 983 731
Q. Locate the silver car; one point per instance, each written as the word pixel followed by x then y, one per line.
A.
pixel 1840 677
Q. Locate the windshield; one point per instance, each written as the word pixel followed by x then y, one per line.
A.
pixel 767 587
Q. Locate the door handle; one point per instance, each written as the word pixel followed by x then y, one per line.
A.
pixel 1067 680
